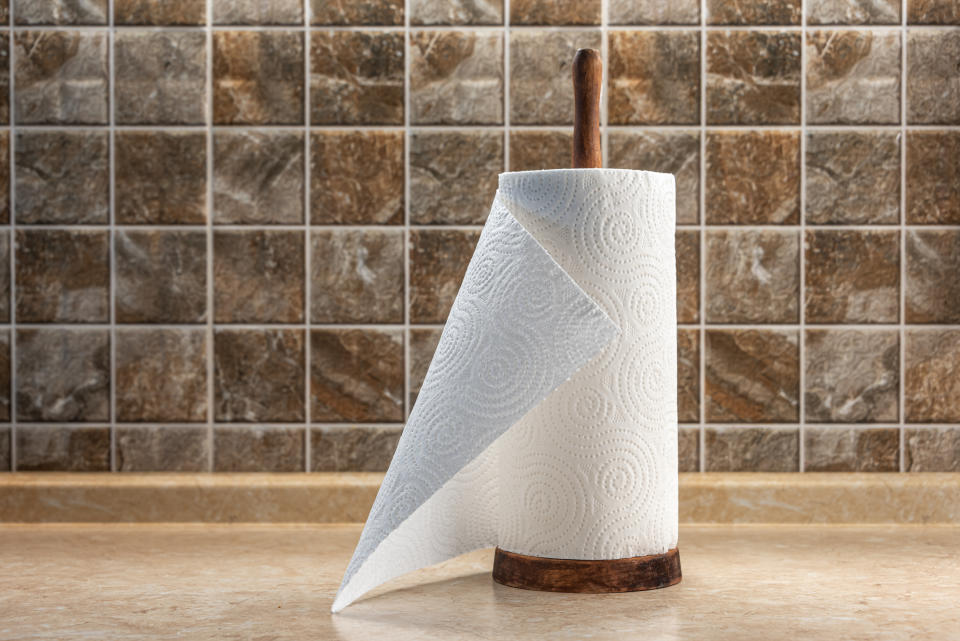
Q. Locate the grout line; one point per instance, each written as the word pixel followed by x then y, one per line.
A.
pixel 407 363
pixel 702 245
pixel 604 93
pixel 506 84
pixel 802 250
pixel 901 388
pixel 111 221
pixel 307 238
pixel 12 239
pixel 210 334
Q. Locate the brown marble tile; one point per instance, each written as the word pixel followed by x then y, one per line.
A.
pixel 752 12
pixel 5 78
pixel 456 78
pixel 4 11
pixel 4 381
pixel 555 12
pixel 423 343
pixel 61 77
pixel 933 12
pixel 443 12
pixel 535 149
pixel 752 276
pixel 258 177
pixel 654 12
pixel 151 12
pixel 688 375
pixel 853 77
pixel 933 164
pixel 4 278
pixel 852 276
pixel 161 276
pixel 688 449
pixel 5 462
pixel 5 177
pixel 932 449
pixel 752 376
pixel 541 92
pixel 258 449
pixel 352 449
pixel 438 261
pixel 63 375
pixel 62 276
pixel 356 78
pixel 258 276
pixel 453 176
pixel 853 178
pixel 160 177
pixel 255 12
pixel 63 448
pixel 672 152
pixel 369 12
pixel 161 375
pixel 933 78
pixel 852 376
pixel 688 275
pixel 654 78
pixel 356 177
pixel 259 375
pixel 62 177
pixel 160 77
pixel 60 12
pixel 931 387
pixel 356 375
pixel 258 78
pixel 163 448
pixel 356 276
pixel 752 449
pixel 932 287
pixel 853 12
pixel 753 77
pixel 851 449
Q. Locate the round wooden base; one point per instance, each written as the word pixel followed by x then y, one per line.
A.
pixel 573 575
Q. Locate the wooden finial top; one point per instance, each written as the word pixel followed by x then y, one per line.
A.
pixel 587 83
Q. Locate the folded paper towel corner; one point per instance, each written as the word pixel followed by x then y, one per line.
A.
pixel 547 422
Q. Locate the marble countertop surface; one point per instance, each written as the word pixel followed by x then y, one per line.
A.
pixel 219 581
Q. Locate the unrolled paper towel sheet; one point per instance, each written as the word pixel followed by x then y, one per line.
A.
pixel 547 422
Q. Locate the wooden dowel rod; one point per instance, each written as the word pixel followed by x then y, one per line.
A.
pixel 587 82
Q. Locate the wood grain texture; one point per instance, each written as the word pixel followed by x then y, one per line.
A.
pixel 587 81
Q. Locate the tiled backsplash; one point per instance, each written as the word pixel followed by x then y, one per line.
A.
pixel 230 242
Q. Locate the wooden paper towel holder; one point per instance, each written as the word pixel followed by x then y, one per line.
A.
pixel 583 575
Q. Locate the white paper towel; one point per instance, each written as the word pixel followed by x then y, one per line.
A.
pixel 547 422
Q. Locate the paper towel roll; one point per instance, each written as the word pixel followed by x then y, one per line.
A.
pixel 547 422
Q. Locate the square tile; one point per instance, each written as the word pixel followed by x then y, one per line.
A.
pixel 255 12
pixel 372 12
pixel 752 449
pixel 753 77
pixel 352 449
pixel 62 177
pixel 161 276
pixel 4 177
pixel 151 12
pixel 535 149
pixel 688 375
pixel 453 176
pixel 931 387
pixel 932 287
pixel 4 78
pixel 5 390
pixel 258 177
pixel 555 12
pixel 356 177
pixel 4 279
pixel 853 178
pixel 932 449
pixel 752 376
pixel 456 12
pixel 933 12
pixel 753 12
pixel 438 261
pixel 541 92
pixel 5 462
pixel 753 276
pixel 853 77
pixel 63 448
pixel 851 449
pixel 645 12
pixel 258 449
pixel 356 375
pixel 258 276
pixel 753 177
pixel 933 164
pixel 161 375
pixel 62 276
pixel 163 448
pixel 456 78
pixel 356 78
pixel 672 152
pixel 60 12
pixel 688 449
pixel 259 375
pixel 356 276
pixel 63 375
pixel 61 77
pixel 258 77
pixel 654 78
pixel 933 79
pixel 688 275
pixel 853 12
pixel 852 276
pixel 160 178
pixel 852 376
pixel 160 77
pixel 423 343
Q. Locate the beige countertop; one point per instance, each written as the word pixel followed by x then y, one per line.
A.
pixel 218 581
